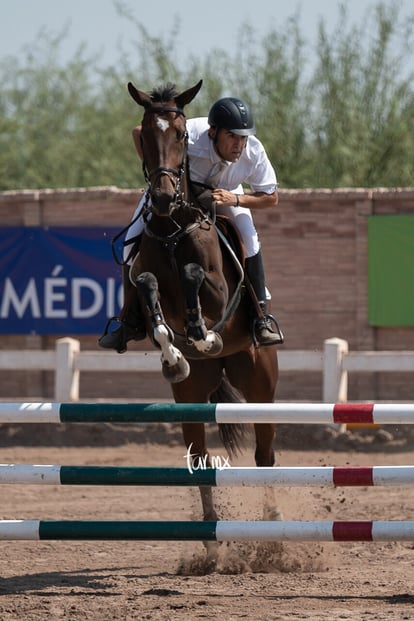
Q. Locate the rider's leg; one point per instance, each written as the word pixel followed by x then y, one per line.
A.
pixel 131 319
pixel 266 328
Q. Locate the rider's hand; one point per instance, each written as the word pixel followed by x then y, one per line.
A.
pixel 224 198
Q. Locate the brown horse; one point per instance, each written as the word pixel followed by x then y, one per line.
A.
pixel 189 284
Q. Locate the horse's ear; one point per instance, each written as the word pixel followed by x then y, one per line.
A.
pixel 184 98
pixel 140 97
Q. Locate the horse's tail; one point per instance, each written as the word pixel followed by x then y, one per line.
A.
pixel 232 435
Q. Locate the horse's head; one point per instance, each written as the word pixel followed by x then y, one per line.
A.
pixel 164 142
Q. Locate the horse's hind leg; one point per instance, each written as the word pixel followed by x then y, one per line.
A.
pixel 204 379
pixel 175 367
pixel 265 456
pixel 197 458
pixel 255 375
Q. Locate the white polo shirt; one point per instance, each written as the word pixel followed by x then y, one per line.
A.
pixel 253 167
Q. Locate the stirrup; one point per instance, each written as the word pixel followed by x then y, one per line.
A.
pixel 267 322
pixel 117 339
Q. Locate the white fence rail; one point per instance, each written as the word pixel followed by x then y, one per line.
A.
pixel 334 362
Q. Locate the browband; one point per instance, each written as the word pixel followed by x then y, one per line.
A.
pixel 164 110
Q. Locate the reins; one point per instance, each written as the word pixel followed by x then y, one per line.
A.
pixel 171 241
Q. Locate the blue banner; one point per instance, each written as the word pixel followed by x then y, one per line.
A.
pixel 61 280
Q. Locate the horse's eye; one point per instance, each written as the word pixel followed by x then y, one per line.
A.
pixel 180 135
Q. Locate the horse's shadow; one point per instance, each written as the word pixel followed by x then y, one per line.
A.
pixel 98 582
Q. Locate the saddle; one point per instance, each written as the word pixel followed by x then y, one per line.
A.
pixel 228 234
pixel 231 242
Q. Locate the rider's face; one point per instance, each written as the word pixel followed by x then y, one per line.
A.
pixel 229 146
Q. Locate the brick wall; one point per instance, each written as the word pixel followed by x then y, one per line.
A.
pixel 315 249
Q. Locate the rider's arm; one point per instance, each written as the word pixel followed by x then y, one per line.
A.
pixel 258 200
pixel 251 200
pixel 136 137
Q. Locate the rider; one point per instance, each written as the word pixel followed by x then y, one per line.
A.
pixel 224 154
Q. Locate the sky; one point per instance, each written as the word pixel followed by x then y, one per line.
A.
pixel 203 27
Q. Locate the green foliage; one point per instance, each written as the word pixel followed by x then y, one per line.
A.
pixel 58 128
pixel 345 119
pixel 363 122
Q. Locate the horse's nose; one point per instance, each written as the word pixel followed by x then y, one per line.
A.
pixel 161 201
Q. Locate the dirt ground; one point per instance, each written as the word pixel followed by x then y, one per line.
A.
pixel 104 580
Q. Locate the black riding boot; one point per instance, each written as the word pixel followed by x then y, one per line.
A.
pixel 131 320
pixel 266 329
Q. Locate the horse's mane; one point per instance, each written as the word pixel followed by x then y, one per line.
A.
pixel 164 93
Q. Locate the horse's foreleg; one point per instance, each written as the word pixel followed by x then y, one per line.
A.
pixel 175 367
pixel 206 341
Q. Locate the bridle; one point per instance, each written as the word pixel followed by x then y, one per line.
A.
pixel 171 240
pixel 174 174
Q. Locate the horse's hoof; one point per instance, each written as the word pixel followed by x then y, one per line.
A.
pixel 211 346
pixel 272 514
pixel 177 372
pixel 216 347
pixel 212 554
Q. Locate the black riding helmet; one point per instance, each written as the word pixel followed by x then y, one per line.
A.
pixel 232 114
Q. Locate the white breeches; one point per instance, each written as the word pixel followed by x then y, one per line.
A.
pixel 242 219
pixel 240 216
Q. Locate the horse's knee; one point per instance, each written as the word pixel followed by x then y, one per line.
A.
pixel 147 289
pixel 146 283
pixel 193 274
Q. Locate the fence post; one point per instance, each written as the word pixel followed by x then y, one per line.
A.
pixel 66 376
pixel 335 379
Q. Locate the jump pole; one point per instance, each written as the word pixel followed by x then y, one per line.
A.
pixel 299 413
pixel 207 531
pixel 336 476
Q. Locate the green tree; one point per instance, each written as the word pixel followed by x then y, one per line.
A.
pixel 345 121
pixel 59 128
pixel 363 118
